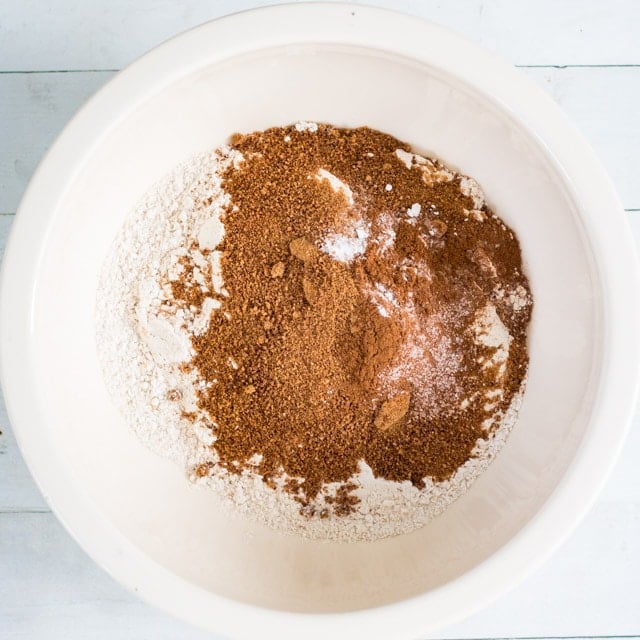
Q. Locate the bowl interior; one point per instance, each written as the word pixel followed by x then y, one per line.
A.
pixel 148 499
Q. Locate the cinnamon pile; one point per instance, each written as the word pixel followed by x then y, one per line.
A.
pixel 354 275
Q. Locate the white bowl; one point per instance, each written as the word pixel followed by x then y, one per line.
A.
pixel 134 513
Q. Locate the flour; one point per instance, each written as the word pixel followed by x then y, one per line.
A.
pixel 491 332
pixel 351 241
pixel 414 210
pixel 143 339
pixel 432 172
pixel 312 127
pixel 336 184
pixel 141 342
pixel 346 246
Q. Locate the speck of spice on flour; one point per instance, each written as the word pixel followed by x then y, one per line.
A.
pixel 321 326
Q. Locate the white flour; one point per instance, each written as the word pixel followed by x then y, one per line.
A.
pixel 142 340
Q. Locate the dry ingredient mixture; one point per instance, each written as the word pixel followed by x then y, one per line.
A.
pixel 325 328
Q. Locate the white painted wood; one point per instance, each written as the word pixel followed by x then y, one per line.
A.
pixel 33 109
pixel 603 102
pixel 49 589
pixel 5 228
pixel 18 491
pixel 108 35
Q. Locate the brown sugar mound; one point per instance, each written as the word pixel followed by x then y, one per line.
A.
pixel 315 362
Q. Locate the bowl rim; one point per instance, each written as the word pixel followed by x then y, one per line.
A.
pixel 427 43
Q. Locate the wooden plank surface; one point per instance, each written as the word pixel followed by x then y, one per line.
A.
pixel 104 34
pixel 33 110
pixel 49 589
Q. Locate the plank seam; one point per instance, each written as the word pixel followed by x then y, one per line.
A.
pixel 9 72
pixel 583 637
pixel 6 512
pixel 519 66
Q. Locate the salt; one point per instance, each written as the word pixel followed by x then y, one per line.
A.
pixel 345 247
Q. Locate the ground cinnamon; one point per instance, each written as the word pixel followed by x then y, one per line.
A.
pixel 314 363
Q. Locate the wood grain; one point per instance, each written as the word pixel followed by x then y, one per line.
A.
pixel 40 35
pixel 33 110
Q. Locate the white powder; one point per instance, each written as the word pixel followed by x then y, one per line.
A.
pixel 336 184
pixel 386 233
pixel 211 233
pixel 490 332
pixel 303 125
pixel 384 299
pixel 407 158
pixel 519 298
pixel 432 172
pixel 142 340
pixel 351 241
pixel 471 188
pixel 349 244
pixel 414 210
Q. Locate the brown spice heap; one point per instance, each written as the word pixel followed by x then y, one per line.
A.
pixel 314 363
